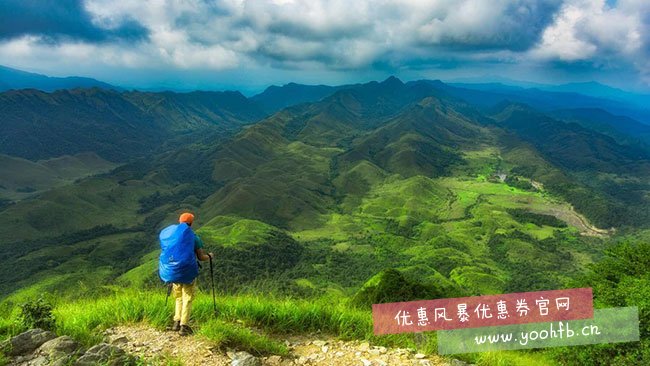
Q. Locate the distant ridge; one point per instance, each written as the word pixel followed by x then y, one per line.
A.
pixel 550 98
pixel 118 126
pixel 275 98
pixel 18 79
pixel 598 90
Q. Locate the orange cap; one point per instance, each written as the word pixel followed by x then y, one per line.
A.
pixel 186 217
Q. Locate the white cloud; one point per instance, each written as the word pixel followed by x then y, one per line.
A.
pixel 561 39
pixel 336 33
pixel 351 35
pixel 33 53
pixel 592 31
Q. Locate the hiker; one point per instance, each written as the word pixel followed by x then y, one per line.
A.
pixel 179 268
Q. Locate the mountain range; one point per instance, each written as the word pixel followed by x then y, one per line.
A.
pixel 17 79
pixel 313 189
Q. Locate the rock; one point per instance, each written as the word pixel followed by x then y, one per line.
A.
pixel 380 362
pixel 382 350
pixel 339 354
pixel 274 360
pixel 325 349
pixel 425 362
pixel 20 359
pixel 38 361
pixel 105 354
pixel 57 351
pixel 319 343
pixel 455 362
pixel 374 352
pixel 366 362
pixel 364 347
pixel 28 341
pixel 63 344
pixel 245 359
pixel 420 355
pixel 119 340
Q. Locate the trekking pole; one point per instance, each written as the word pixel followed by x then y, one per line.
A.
pixel 214 299
pixel 169 291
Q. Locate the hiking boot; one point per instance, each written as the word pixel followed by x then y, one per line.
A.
pixel 175 327
pixel 185 330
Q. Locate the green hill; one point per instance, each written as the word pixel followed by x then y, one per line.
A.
pixel 377 186
pixel 117 126
pixel 379 175
pixel 23 178
pixel 605 180
pixel 623 129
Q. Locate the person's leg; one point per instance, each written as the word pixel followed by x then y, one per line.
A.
pixel 177 293
pixel 188 296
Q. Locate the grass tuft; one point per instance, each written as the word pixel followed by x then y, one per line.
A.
pixel 235 336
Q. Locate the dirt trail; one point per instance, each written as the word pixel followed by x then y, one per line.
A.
pixel 156 346
pixel 569 215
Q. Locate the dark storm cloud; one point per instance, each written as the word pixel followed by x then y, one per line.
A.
pixel 55 21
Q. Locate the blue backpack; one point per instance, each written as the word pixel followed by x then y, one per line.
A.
pixel 177 262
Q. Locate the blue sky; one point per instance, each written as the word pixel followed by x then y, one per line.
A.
pixel 249 44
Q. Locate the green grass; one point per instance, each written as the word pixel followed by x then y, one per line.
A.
pixel 512 358
pixel 137 276
pixel 75 269
pixel 449 244
pixel 91 202
pixel 22 178
pixel 229 230
pixel 417 198
pixel 9 325
pixel 232 335
pixel 249 322
pixel 401 223
pixel 160 360
pixel 337 227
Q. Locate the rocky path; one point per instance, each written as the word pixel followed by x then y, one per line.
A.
pixel 158 347
pixel 161 347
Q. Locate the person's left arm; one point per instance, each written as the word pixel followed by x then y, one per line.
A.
pixel 200 252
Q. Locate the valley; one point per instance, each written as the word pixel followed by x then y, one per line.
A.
pixel 341 197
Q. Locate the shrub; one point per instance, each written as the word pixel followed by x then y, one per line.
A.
pixel 37 314
pixel 391 286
